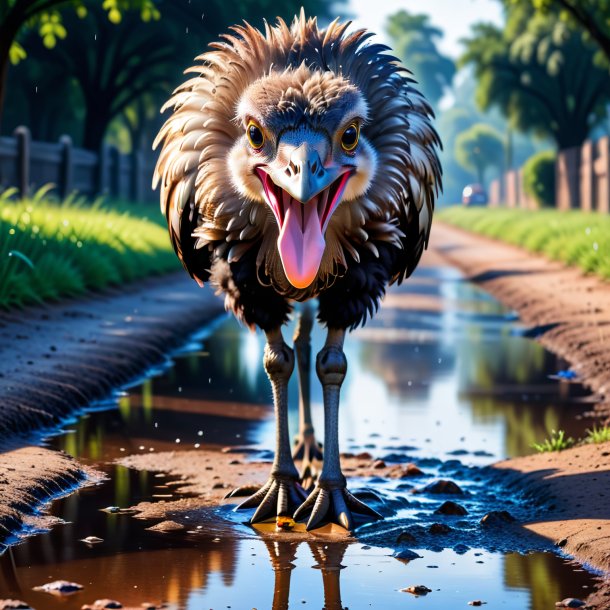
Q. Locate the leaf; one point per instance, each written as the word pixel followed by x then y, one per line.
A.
pixel 16 53
pixel 23 257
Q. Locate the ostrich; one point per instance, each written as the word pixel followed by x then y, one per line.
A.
pixel 300 163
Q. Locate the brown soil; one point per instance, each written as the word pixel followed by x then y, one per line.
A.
pixel 59 358
pixel 208 474
pixel 574 486
pixel 30 476
pixel 568 311
pixel 570 315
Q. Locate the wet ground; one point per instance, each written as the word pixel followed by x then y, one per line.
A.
pixel 444 377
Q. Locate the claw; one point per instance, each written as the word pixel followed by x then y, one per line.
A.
pixel 277 498
pixel 308 451
pixel 334 504
pixel 344 516
pixel 256 498
pixel 360 507
pixel 319 510
pixel 305 506
pixel 268 506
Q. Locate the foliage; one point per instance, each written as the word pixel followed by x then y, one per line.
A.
pixel 479 147
pixel 572 237
pixel 539 177
pixel 556 442
pixel 540 72
pixel 115 74
pixel 591 16
pixel 51 250
pixel 40 16
pixel 598 435
pixel 460 116
pixel 414 40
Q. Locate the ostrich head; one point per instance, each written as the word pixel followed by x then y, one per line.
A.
pixel 302 153
pixel 310 144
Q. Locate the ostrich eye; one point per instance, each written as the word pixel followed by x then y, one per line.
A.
pixel 349 139
pixel 255 135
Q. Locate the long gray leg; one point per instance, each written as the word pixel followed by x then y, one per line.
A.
pixel 306 448
pixel 282 492
pixel 330 499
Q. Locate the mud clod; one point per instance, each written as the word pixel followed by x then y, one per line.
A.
pixel 450 508
pixel 59 587
pixel 417 590
pixel 101 604
pixel 442 486
pixel 166 526
pixel 439 528
pixel 405 537
pixel 406 555
pixel 497 518
pixel 570 602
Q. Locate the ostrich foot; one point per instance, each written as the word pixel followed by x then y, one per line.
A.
pixel 331 501
pixel 308 451
pixel 278 497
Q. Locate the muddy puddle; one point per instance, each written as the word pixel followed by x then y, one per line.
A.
pixel 444 377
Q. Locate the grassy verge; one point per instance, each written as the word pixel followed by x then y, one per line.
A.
pixel 558 440
pixel 49 250
pixel 574 237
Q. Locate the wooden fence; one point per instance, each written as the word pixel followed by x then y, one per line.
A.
pixel 582 180
pixel 28 165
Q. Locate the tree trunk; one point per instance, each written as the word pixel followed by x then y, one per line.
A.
pixel 480 173
pixel 96 122
pixel 5 45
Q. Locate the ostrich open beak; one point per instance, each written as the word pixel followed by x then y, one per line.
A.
pixel 303 196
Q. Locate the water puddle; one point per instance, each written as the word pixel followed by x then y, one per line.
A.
pixel 443 377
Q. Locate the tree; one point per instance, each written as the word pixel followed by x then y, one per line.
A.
pixel 589 15
pixel 114 64
pixel 15 15
pixel 415 42
pixel 540 73
pixel 478 148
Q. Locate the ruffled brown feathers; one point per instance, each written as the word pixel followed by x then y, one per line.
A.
pixel 208 218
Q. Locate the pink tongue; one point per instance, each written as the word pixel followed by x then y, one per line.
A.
pixel 301 242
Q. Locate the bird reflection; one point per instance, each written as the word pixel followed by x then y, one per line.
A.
pixel 328 557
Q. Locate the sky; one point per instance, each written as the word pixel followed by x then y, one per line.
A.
pixel 454 17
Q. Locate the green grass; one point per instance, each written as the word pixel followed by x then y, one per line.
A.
pixel 556 442
pixel 50 250
pixel 573 237
pixel 598 435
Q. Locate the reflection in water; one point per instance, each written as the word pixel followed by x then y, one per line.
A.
pixel 454 378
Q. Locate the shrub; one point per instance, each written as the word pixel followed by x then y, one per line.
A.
pixel 539 178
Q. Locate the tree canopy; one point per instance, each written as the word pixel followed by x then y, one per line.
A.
pixel 415 41
pixel 540 72
pixel 591 16
pixel 479 148
pixel 44 17
pixel 108 66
